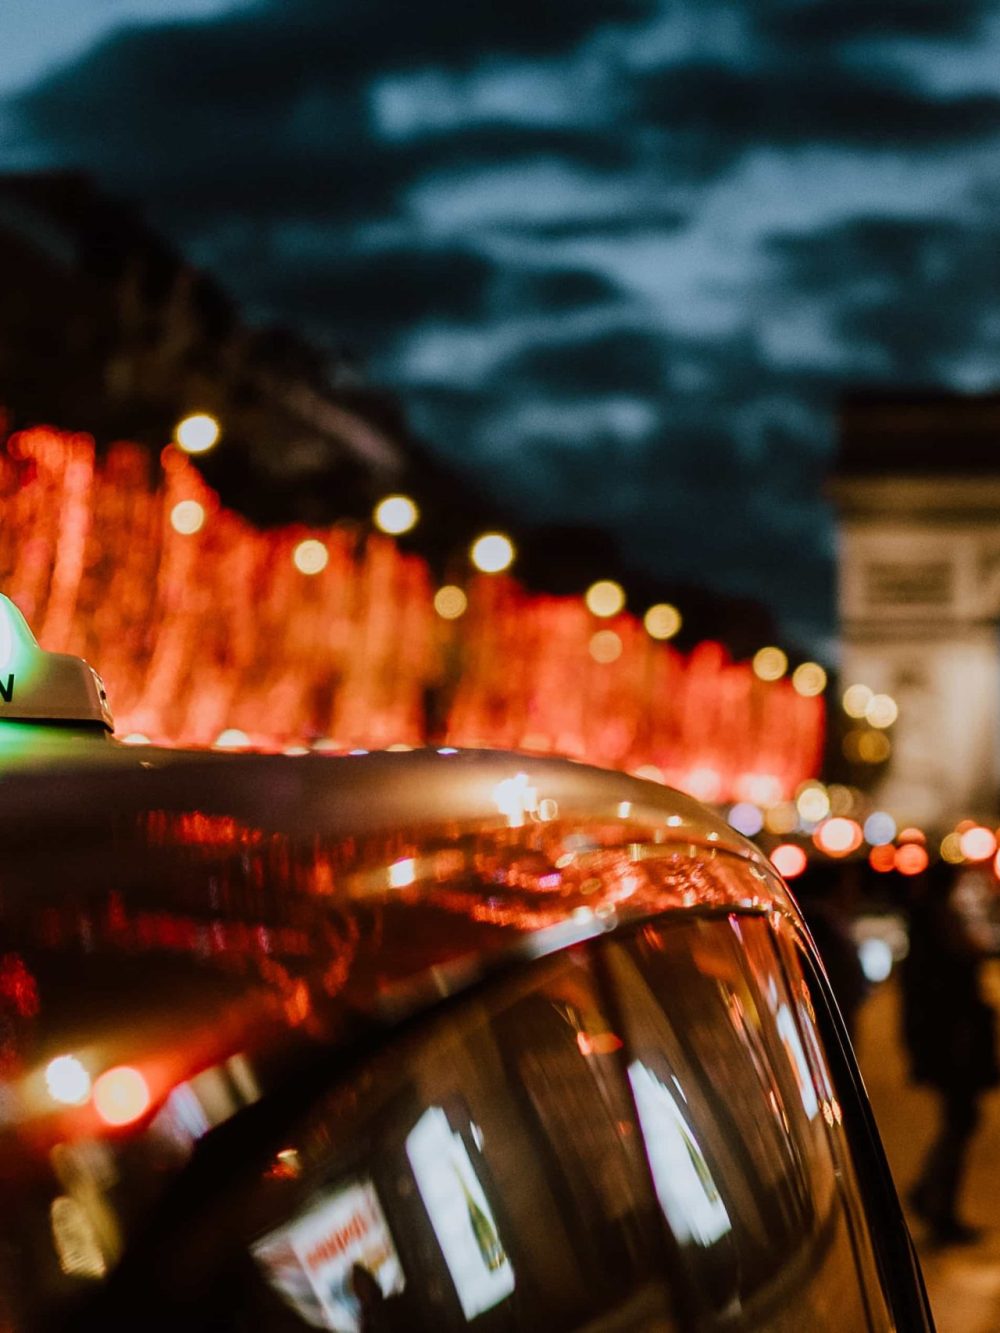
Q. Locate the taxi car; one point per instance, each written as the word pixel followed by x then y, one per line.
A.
pixel 409 1041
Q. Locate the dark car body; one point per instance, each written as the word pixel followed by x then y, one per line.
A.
pixel 432 1041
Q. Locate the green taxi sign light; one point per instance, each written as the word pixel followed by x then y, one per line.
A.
pixel 36 686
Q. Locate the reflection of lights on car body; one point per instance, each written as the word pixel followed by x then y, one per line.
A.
pixel 688 1195
pixel 67 1080
pixel 460 1214
pixel 593 1010
pixel 121 1095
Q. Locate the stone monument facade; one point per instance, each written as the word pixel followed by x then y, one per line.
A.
pixel 917 487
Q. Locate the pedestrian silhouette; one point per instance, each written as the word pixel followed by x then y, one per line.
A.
pixel 826 896
pixel 949 1031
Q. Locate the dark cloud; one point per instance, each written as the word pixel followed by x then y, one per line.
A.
pixel 914 299
pixel 821 22
pixel 619 257
pixel 363 295
pixel 800 103
pixel 622 360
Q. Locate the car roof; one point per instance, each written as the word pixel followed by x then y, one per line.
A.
pixel 185 908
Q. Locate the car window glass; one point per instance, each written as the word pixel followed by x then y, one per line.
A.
pixel 490 1170
pixel 738 1128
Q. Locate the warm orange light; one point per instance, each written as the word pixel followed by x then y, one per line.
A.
pixel 121 1095
pixel 813 802
pixel 605 646
pixel 839 836
pixel 492 553
pixel 912 834
pixel 402 873
pixel 662 621
pixel 781 818
pixel 605 598
pixel 67 1080
pixel 789 860
pixel 197 433
pixel 951 849
pixel 882 710
pixel 856 700
pixel 261 642
pixel 703 783
pixel 873 747
pixel 882 859
pixel 187 517
pixel 809 679
pixel 310 556
pixel 231 739
pixel 911 859
pixel 978 843
pixel 450 602
pixel 770 663
pixel 395 514
pixel 598 1043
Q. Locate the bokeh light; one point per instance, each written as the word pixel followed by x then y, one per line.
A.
pixel 770 663
pixel 746 819
pixel 395 514
pixel 782 818
pixel 187 517
pixel 978 843
pixel 402 873
pixel 121 1095
pixel 882 710
pixel 605 598
pixel 197 433
pixel 912 834
pixel 812 802
pixel 880 828
pixel 875 957
pixel 605 646
pixel 703 783
pixel 809 679
pixel 310 556
pixel 856 700
pixel 951 849
pixel 874 747
pixel 842 799
pixel 882 859
pixel 450 602
pixel 911 859
pixel 662 621
pixel 789 860
pixel 67 1080
pixel 232 739
pixel 838 836
pixel 492 553
pixel 761 789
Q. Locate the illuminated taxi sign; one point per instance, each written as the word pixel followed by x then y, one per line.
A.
pixel 36 686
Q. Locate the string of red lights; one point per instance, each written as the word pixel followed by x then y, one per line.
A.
pixel 202 625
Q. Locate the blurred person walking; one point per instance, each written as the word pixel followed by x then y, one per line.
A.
pixel 826 895
pixel 949 1029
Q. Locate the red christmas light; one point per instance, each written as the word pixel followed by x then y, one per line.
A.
pixel 198 632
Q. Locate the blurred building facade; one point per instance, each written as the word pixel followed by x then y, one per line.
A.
pixel 917 486
pixel 105 328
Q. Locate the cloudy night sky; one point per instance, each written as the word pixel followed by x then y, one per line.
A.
pixel 620 257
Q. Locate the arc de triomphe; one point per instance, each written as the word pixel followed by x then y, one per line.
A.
pixel 917 486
